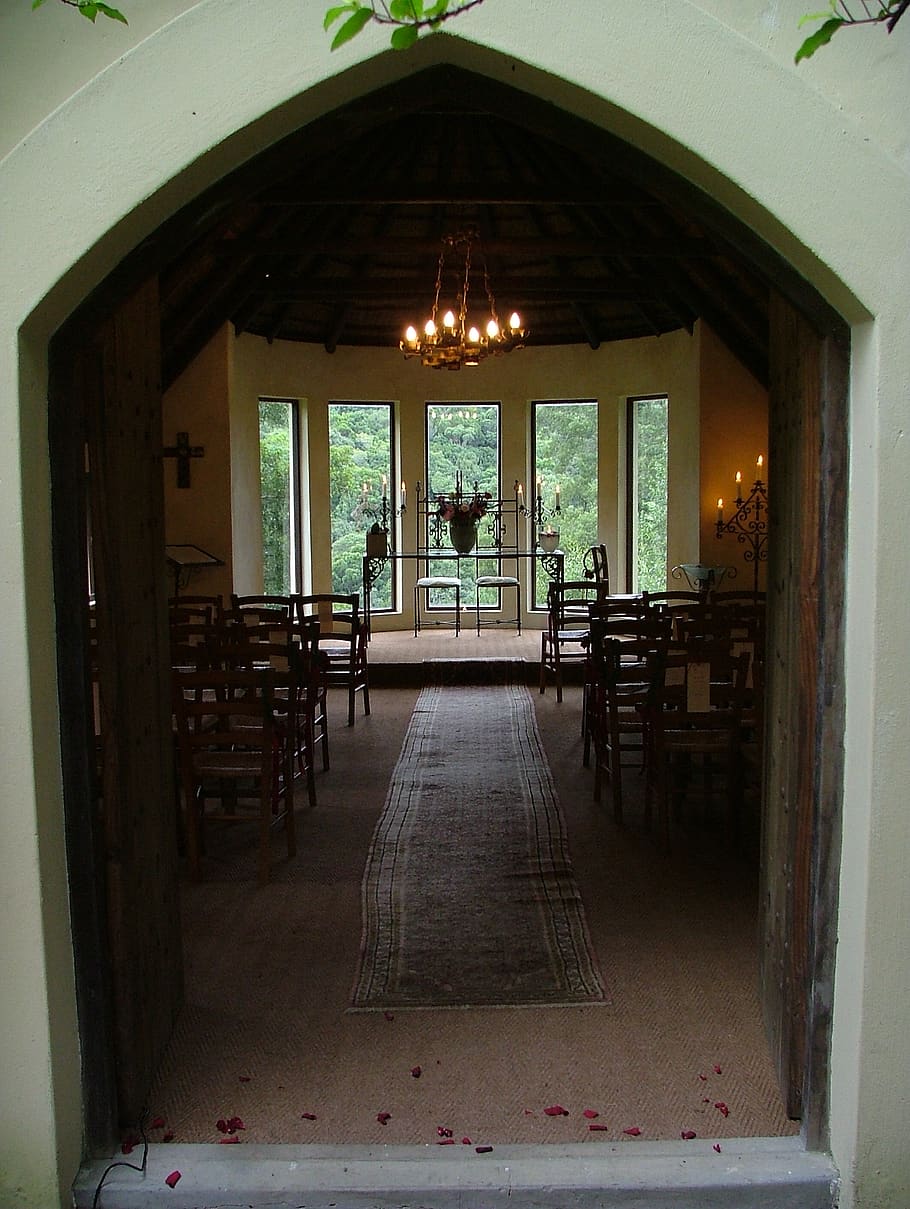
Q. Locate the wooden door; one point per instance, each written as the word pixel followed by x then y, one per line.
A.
pixel 105 416
pixel 804 708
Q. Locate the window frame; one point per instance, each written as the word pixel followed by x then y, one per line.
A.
pixel 295 535
pixel 394 476
pixel 631 485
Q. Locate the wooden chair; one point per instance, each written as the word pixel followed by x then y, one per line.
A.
pixel 697 716
pixel 342 643
pixel 230 750
pixel 597 565
pixel 625 681
pixel 564 642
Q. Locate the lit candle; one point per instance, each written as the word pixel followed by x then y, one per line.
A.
pixel 557 497
pixel 363 491
pixel 385 486
pixel 520 493
pixel 539 487
pixel 404 495
pixel 720 512
pixel 739 484
pixel 759 464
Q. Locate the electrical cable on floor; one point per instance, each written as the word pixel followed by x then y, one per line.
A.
pixel 140 1167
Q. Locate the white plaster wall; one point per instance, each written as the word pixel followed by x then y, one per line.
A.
pixel 815 158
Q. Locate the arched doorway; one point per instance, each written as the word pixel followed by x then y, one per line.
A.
pixel 805 417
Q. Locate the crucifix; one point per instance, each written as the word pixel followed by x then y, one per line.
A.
pixel 183 451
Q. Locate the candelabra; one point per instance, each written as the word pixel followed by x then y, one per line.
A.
pixel 749 523
pixel 547 535
pixel 378 533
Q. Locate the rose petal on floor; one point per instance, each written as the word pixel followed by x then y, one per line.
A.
pixel 717 1147
pixel 416 1072
pixel 383 1117
pixel 722 1108
pixel 229 1140
pixel 483 1149
pixel 633 1131
pixel 308 1116
pixel 173 1179
pixel 717 1070
pixel 688 1134
pixel 591 1114
pixel 556 1110
pixel 158 1123
pixel 599 1128
pixel 169 1136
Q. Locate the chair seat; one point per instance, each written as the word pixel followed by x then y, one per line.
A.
pixel 439 581
pixel 497 581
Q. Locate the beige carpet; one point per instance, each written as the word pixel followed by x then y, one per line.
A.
pixel 265 1035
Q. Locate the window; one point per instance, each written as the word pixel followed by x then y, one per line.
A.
pixel 646 502
pixel 564 459
pixel 461 438
pixel 279 476
pixel 360 466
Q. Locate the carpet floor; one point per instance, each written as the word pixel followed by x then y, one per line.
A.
pixel 265 1034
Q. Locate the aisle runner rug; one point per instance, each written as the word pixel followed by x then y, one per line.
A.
pixel 468 894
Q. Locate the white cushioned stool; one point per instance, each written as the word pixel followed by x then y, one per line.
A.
pixel 499 581
pixel 428 582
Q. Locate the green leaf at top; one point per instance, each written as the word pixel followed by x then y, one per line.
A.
pixel 404 36
pixel 89 10
pixel 820 38
pixel 352 27
pixel 807 17
pixel 437 10
pixel 406 10
pixel 114 13
pixel 36 4
pixel 334 13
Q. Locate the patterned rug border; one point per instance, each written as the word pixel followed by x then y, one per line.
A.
pixel 554 915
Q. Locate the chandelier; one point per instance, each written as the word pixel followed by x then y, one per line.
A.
pixel 453 341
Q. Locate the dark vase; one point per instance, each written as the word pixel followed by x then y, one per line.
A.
pixel 463 536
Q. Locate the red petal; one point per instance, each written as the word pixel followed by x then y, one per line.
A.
pixel 383 1117
pixel 718 1071
pixel 556 1110
pixel 244 1078
pixel 221 1125
pixel 158 1123
pixel 172 1179
pixel 308 1116
pixel 234 1124
pixel 416 1072
pixel 599 1128
pixel 704 1078
pixel 483 1149
pixel 529 1112
pixel 634 1132
pixel 688 1134
pixel 591 1114
pixel 717 1147
pixel 466 1141
pixel 446 1142
pixel 169 1136
pixel 388 1016
pixel 231 1138
pixel 721 1107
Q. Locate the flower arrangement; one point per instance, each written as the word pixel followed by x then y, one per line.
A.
pixel 461 509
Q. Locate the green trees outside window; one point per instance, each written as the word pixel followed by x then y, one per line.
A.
pixel 360 454
pixel 564 456
pixel 279 482
pixel 461 437
pixel 646 528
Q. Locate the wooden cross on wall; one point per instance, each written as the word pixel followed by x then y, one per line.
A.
pixel 183 451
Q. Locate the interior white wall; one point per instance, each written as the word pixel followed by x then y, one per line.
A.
pixel 813 158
